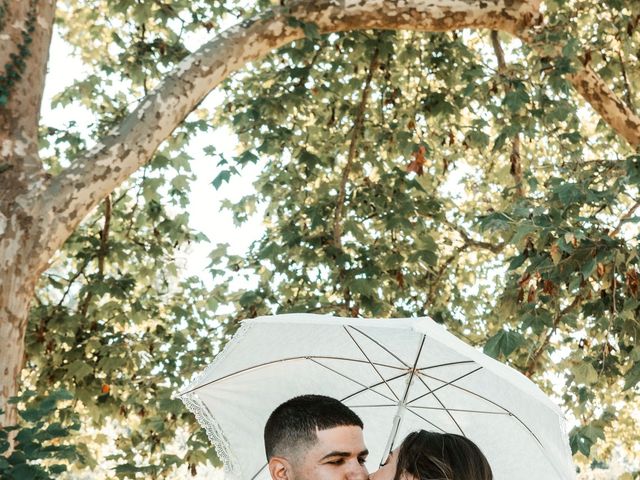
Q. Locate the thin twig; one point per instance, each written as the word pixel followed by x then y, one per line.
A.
pixel 515 159
pixel 104 238
pixel 516 166
pixel 137 201
pixel 497 48
pixel 73 279
pixel 443 268
pixel 627 86
pixel 104 235
pixel 630 212
pixel 533 360
pixel 353 148
pixel 493 247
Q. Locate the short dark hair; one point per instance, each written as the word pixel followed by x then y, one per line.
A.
pixel 293 424
pixel 427 455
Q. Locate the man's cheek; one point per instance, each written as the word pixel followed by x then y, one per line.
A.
pixel 322 472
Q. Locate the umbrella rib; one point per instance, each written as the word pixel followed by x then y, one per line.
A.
pixel 371 386
pixel 442 386
pixel 428 421
pixel 413 370
pixel 509 412
pixel 328 357
pixel 371 363
pixel 440 402
pixel 259 471
pixel 460 410
pixel 288 359
pixel 349 378
pixel 379 344
pixel 447 364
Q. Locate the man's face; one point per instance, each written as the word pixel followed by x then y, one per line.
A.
pixel 339 454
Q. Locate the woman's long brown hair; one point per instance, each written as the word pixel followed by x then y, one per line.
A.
pixel 441 456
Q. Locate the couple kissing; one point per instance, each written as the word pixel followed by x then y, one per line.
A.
pixel 314 437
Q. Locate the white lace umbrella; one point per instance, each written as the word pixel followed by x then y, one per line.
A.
pixel 398 375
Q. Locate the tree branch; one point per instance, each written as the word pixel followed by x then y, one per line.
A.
pixel 624 217
pixel 443 268
pixel 514 158
pixel 607 104
pixel 497 48
pixel 620 117
pixel 627 87
pixel 470 242
pixel 70 196
pixel 27 29
pixel 532 364
pixel 353 150
pixel 104 235
pixel 102 253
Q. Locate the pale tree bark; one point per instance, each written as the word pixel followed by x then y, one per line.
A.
pixel 607 104
pixel 37 214
pixel 22 181
pixel 75 192
pixel 613 110
pixel 15 297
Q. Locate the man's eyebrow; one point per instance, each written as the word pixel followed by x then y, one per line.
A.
pixel 363 453
pixel 336 454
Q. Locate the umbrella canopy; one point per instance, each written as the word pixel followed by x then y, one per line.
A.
pixel 398 375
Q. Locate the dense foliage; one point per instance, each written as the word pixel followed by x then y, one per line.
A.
pixel 40 439
pixel 455 175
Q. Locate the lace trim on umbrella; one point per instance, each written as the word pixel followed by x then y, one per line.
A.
pixel 215 434
pixel 200 378
pixel 565 440
pixel 205 417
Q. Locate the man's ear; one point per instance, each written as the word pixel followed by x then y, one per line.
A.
pixel 280 469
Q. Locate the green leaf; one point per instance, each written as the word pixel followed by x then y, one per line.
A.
pixel 180 182
pixel 79 369
pixel 223 176
pixel 569 192
pixel 427 255
pixel 584 374
pixel 247 157
pixel 522 232
pixel 583 438
pixel 517 261
pixel 361 286
pixel 28 472
pixel 589 267
pixel 503 343
pixel 477 139
pixel 309 159
pixel 516 99
pixel 310 29
pixel 632 377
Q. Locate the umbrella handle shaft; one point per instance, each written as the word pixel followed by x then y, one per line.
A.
pixel 392 437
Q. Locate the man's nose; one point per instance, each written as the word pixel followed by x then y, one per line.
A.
pixel 357 472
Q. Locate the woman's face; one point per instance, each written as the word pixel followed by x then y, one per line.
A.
pixel 387 471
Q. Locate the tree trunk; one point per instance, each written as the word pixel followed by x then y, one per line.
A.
pixel 12 329
pixel 37 213
pixel 26 26
pixel 15 296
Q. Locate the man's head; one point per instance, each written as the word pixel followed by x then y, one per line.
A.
pixel 314 437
